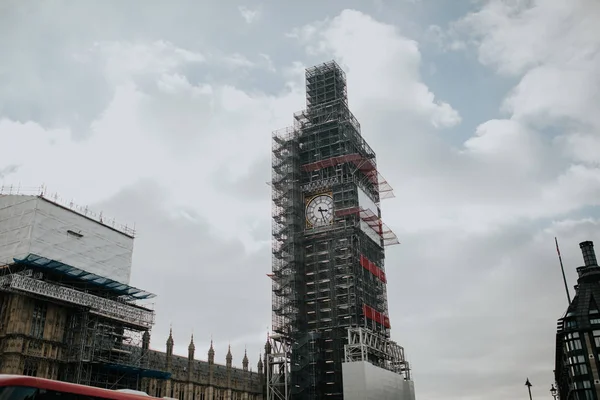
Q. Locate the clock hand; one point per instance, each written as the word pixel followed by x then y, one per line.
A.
pixel 322 211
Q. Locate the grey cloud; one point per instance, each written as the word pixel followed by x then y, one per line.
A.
pixel 475 309
pixel 486 309
pixel 205 284
pixel 251 185
pixel 9 169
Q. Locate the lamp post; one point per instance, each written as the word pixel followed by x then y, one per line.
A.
pixel 554 392
pixel 528 384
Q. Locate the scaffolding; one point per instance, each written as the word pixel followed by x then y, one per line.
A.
pixel 366 345
pixel 125 313
pixel 103 334
pixel 103 353
pixel 329 278
pixel 278 367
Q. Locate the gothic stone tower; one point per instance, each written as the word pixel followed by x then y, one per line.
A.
pixel 577 368
pixel 328 248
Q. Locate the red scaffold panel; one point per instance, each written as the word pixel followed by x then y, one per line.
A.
pixel 372 268
pixel 331 162
pixel 378 318
pixel 366 166
pixel 347 211
pixel 368 311
pixel 374 315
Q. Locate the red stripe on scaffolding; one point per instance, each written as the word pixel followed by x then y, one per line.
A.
pixel 374 315
pixel 366 166
pixel 372 268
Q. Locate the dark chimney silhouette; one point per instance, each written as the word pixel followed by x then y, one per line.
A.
pixel 589 257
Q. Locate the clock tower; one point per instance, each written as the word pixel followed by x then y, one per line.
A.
pixel 329 283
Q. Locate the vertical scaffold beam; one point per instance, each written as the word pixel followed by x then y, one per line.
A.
pixel 278 368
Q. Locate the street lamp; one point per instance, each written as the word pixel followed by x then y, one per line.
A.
pixel 529 385
pixel 554 392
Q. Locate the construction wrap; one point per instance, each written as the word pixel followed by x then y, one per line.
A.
pixel 34 225
pixel 365 381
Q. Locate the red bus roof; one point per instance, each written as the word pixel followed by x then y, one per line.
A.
pixel 48 384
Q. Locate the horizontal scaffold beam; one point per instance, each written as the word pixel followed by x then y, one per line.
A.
pixel 366 345
pixel 135 316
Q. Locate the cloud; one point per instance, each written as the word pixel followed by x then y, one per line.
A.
pixel 383 53
pixel 499 186
pixel 197 274
pixel 122 60
pixel 9 169
pixel 444 40
pixel 178 140
pixel 249 15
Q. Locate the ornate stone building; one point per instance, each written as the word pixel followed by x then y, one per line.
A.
pixel 67 311
pixel 191 379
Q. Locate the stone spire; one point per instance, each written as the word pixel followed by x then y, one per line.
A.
pixel 211 353
pixel 146 340
pixel 245 361
pixel 170 343
pixel 229 357
pixel 260 364
pixel 145 348
pixel 191 348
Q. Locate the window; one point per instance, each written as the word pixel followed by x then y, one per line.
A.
pixel 38 320
pixel 585 395
pixel 30 368
pixel 594 321
pixel 3 313
pixel 578 369
pixel 574 344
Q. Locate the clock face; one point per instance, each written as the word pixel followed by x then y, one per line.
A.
pixel 319 210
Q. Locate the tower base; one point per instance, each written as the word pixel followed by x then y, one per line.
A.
pixel 364 381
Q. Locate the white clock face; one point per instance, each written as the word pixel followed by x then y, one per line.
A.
pixel 319 210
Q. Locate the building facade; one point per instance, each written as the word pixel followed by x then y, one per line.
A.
pixel 578 335
pixel 67 311
pixel 191 379
pixel 329 291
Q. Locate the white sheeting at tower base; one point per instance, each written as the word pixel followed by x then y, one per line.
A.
pixel 364 381
pixel 33 225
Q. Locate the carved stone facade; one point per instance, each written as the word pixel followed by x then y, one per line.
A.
pixel 192 379
pixel 34 340
pixel 31 336
pixel 67 311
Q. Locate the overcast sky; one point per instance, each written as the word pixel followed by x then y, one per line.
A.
pixel 484 116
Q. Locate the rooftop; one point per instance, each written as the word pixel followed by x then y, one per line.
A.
pixel 118 288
